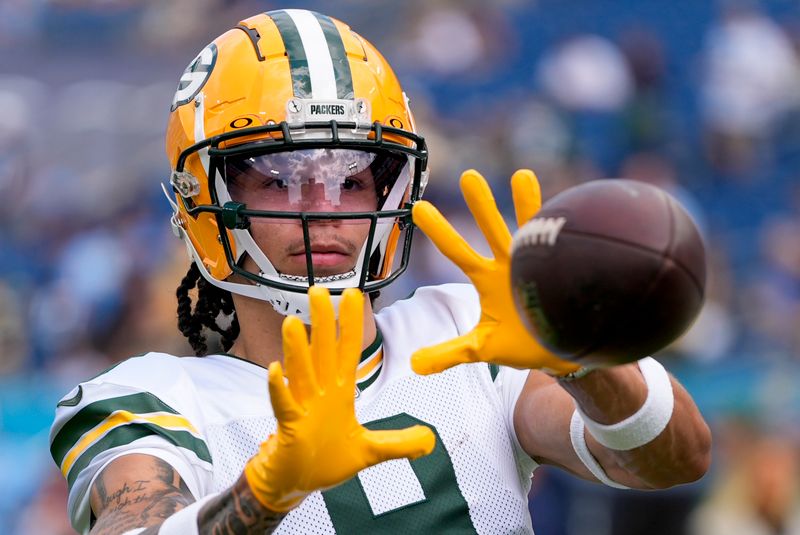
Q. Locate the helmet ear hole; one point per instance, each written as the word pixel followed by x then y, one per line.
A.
pixel 187 202
pixel 375 263
pixel 382 259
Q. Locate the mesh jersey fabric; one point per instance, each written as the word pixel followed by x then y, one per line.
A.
pixel 207 416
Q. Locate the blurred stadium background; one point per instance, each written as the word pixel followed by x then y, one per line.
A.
pixel 697 96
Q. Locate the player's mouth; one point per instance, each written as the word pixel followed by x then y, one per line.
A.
pixel 327 258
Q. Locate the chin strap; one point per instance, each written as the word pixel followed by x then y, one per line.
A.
pixel 297 303
pixel 319 280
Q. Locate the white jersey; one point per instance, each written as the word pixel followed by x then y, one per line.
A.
pixel 206 416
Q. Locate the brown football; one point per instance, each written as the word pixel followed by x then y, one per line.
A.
pixel 608 272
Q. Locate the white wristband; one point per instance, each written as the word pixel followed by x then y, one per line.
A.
pixel 184 522
pixel 648 422
pixel 586 457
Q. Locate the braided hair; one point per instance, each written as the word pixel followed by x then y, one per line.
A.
pixel 211 302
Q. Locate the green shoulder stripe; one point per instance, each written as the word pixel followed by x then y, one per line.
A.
pixel 94 413
pixel 126 434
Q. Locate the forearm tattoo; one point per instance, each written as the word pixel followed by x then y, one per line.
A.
pixel 157 492
pixel 238 512
pixel 140 502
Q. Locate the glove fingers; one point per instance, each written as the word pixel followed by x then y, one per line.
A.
pixel 445 237
pixel 283 404
pixel 351 333
pixel 440 357
pixel 297 357
pixel 504 345
pixel 481 203
pixel 323 335
pixel 527 195
pixel 411 442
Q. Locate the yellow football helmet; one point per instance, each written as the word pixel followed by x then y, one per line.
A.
pixel 291 118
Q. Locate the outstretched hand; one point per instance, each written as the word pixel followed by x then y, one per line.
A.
pixel 500 336
pixel 319 443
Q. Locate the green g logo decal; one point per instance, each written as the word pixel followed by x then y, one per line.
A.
pixel 195 76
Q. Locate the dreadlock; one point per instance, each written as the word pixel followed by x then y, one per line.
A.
pixel 211 301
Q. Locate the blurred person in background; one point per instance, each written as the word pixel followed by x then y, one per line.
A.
pixel 750 81
pixel 588 76
pixel 648 126
pixel 45 512
pixel 756 489
pixel 774 290
pixel 295 164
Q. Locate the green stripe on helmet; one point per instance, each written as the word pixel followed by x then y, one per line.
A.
pixel 298 64
pixel 341 66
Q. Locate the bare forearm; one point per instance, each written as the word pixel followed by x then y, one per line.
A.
pixel 140 491
pixel 679 454
pixel 609 395
pixel 237 511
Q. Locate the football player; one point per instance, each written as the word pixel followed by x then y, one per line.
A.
pixel 296 171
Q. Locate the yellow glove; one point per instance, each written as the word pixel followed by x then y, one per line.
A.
pixel 319 443
pixel 500 336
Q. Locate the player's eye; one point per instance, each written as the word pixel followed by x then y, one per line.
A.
pixel 351 184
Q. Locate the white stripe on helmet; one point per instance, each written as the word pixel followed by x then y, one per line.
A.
pixel 320 64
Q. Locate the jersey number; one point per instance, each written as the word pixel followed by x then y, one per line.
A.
pixel 434 504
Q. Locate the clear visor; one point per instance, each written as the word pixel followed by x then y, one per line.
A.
pixel 318 180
